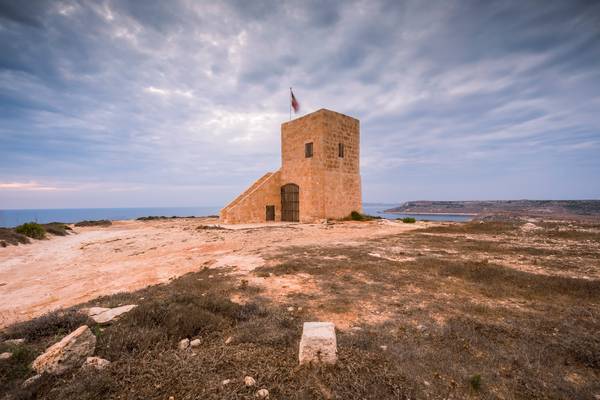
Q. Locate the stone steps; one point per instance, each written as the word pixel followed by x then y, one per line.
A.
pixel 248 191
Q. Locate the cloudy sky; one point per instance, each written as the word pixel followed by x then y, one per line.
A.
pixel 179 103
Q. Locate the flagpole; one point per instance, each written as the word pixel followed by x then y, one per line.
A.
pixel 290 103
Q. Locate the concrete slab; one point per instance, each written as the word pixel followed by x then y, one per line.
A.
pixel 318 343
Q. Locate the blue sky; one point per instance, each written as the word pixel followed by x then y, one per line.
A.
pixel 179 103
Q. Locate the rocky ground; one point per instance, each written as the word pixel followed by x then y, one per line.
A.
pixel 447 310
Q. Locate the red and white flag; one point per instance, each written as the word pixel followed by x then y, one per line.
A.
pixel 295 104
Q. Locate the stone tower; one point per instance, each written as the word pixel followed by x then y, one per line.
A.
pixel 319 176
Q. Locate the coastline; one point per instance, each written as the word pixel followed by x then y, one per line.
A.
pixel 431 213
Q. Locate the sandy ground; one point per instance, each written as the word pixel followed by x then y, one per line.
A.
pixel 64 271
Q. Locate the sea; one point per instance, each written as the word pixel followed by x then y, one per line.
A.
pixel 11 218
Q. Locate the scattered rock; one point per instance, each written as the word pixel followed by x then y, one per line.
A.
pixel 94 310
pixel 290 309
pixel 262 394
pixel 529 227
pixel 14 342
pixel 112 313
pixel 229 340
pixel 30 381
pixel 195 343
pixel 95 362
pixel 226 382
pixel 318 343
pixel 5 356
pixel 67 354
pixel 383 347
pixel 184 344
pixel 249 381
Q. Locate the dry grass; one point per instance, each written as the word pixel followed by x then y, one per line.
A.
pixel 453 321
pixel 8 236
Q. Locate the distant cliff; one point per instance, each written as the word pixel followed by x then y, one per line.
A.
pixel 558 208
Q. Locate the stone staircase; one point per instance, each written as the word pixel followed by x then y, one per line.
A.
pixel 247 192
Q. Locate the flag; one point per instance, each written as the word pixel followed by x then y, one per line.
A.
pixel 295 104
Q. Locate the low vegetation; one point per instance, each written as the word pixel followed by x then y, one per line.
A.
pixel 32 230
pixel 211 227
pixel 100 222
pixel 476 227
pixel 356 216
pixel 57 228
pixel 445 312
pixel 159 217
pixel 8 236
pixel 408 220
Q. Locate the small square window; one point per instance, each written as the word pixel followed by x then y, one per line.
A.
pixel 341 150
pixel 308 150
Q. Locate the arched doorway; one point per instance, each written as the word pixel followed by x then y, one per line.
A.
pixel 290 202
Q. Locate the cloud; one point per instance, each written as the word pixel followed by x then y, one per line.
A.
pixel 27 186
pixel 168 92
pixel 190 94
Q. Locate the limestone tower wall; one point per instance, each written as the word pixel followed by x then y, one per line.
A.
pixel 329 180
pixel 319 176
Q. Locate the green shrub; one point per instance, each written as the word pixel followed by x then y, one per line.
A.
pixel 356 216
pixel 475 382
pixel 57 228
pixel 32 230
pixel 101 222
pixel 408 220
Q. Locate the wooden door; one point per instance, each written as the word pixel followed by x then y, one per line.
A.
pixel 270 213
pixel 290 203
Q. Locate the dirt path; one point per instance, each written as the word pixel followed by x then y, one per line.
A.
pixel 129 255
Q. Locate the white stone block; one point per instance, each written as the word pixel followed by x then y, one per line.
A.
pixel 318 343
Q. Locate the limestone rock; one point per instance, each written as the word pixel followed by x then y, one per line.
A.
pixel 195 343
pixel 69 353
pixel 249 381
pixel 14 342
pixel 5 356
pixel 229 340
pixel 96 362
pixel 31 380
pixel 529 227
pixel 226 382
pixel 184 344
pixel 318 343
pixel 112 313
pixel 262 394
pixel 94 310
